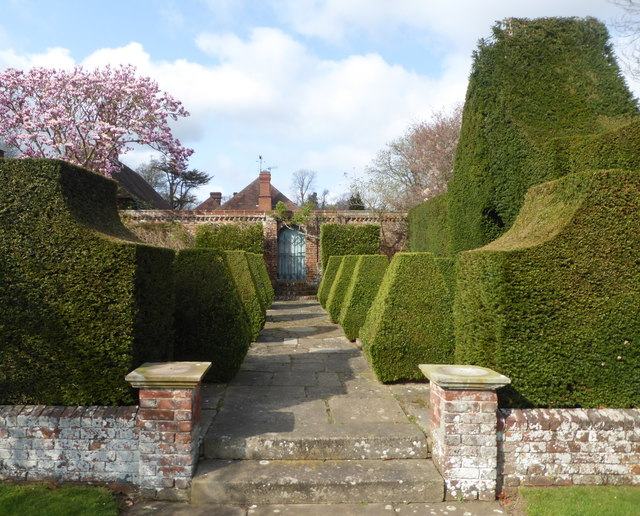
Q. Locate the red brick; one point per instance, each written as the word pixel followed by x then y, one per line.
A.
pixel 156 415
pixel 174 404
pixel 155 393
pixel 470 396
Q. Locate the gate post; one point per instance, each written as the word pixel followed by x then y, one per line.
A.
pixel 168 422
pixel 463 426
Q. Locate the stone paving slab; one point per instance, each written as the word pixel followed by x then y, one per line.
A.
pixel 313 424
pixel 320 481
pixel 373 509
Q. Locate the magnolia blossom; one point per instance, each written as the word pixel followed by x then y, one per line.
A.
pixel 87 117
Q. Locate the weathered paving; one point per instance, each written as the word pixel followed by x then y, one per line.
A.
pixel 306 421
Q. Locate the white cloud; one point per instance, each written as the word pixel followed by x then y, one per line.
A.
pixel 54 57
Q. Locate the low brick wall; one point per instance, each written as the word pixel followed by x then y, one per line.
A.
pixel 154 446
pixel 482 450
pixel 559 447
pixel 69 443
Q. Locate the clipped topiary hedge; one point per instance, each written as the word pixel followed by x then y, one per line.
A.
pixel 410 321
pixel 341 240
pixel 261 276
pixel 340 286
pixel 328 277
pixel 553 304
pixel 210 320
pixel 534 81
pixel 362 290
pixel 81 303
pixel 429 227
pixel 245 283
pixel 231 237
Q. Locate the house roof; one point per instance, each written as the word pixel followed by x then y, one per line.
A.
pixel 210 204
pixel 131 186
pixel 247 199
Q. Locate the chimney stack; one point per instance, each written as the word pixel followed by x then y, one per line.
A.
pixel 264 200
pixel 216 198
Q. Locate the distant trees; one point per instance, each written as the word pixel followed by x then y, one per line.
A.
pixel 302 182
pixel 629 26
pixel 172 184
pixel 415 166
pixel 87 117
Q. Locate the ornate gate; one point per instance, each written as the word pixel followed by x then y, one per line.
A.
pixel 292 253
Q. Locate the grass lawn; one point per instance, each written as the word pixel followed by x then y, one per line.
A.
pixel 47 500
pixel 581 501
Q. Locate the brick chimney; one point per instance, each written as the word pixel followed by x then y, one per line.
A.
pixel 216 199
pixel 264 200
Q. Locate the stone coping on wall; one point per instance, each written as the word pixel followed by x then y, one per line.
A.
pixel 167 375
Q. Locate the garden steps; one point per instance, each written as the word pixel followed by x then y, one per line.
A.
pixel 306 421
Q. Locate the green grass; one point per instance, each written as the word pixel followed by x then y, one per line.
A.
pixel 46 500
pixel 581 501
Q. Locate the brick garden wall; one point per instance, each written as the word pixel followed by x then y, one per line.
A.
pixel 393 233
pixel 481 450
pixel 559 447
pixel 69 443
pixel 154 446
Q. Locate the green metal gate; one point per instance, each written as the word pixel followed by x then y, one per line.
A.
pixel 292 253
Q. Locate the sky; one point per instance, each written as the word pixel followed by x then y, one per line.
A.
pixel 321 85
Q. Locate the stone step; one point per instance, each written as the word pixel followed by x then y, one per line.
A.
pixel 371 441
pixel 316 481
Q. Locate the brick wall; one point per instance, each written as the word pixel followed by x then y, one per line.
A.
pixel 393 232
pixel 557 447
pixel 69 443
pixel 154 446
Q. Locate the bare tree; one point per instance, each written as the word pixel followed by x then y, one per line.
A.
pixel 629 26
pixel 302 181
pixel 416 166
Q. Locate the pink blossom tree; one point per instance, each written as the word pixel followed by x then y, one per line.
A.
pixel 87 117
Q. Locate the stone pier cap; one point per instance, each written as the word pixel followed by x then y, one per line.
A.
pixel 464 377
pixel 168 375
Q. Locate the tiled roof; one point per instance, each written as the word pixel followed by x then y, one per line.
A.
pixel 132 185
pixel 247 199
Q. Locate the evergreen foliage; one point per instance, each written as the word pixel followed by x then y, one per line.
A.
pixel 363 287
pixel 340 286
pixel 261 276
pixel 329 276
pixel 553 303
pixel 231 237
pixel 344 239
pixel 245 283
pixel 410 321
pixel 81 302
pixel 429 227
pixel 535 80
pixel 210 319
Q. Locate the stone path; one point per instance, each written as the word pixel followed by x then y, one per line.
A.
pixel 305 420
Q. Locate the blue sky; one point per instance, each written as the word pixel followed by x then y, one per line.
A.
pixel 313 84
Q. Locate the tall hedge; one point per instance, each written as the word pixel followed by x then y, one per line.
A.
pixel 362 290
pixel 344 239
pixel 210 319
pixel 410 321
pixel 261 276
pixel 429 227
pixel 554 303
pixel 81 302
pixel 231 237
pixel 534 81
pixel 245 283
pixel 328 277
pixel 340 286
